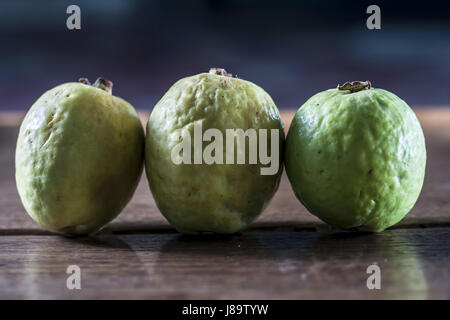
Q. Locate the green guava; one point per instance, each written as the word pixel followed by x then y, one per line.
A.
pixel 211 197
pixel 79 157
pixel 355 157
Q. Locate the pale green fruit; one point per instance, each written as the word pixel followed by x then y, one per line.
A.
pixel 79 157
pixel 219 198
pixel 355 157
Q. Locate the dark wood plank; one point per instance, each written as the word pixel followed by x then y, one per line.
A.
pixel 285 211
pixel 414 263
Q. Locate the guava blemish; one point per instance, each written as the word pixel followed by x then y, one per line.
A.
pixel 370 171
pixel 224 83
pixel 47 137
pixel 50 118
pixel 321 171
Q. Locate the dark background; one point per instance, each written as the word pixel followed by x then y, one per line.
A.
pixel 292 49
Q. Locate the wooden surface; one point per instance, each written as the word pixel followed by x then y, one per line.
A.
pixel 286 253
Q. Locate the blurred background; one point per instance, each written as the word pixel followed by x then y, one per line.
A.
pixel 292 49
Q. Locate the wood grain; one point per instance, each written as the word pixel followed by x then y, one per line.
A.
pixel 414 264
pixel 284 212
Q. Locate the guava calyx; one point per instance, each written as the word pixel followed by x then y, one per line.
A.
pixel 355 86
pixel 100 83
pixel 220 72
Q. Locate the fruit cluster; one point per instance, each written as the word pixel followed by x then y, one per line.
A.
pixel 355 155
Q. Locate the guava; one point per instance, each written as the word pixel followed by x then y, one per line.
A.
pixel 355 157
pixel 79 157
pixel 211 197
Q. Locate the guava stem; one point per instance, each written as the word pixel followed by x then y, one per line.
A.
pixel 100 83
pixel 84 81
pixel 220 72
pixel 103 84
pixel 355 86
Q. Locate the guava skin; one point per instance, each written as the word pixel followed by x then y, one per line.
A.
pixel 218 198
pixel 79 157
pixel 356 160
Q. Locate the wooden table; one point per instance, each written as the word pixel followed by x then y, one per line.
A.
pixel 286 253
